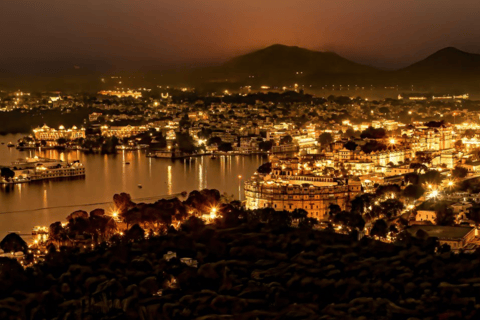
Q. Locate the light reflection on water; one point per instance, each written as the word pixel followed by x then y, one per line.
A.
pixel 107 175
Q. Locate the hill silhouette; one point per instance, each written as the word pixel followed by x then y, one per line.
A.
pixel 282 65
pixel 447 61
pixel 446 69
pixel 277 65
pixel 286 60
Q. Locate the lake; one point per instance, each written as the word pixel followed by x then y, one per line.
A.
pixel 23 206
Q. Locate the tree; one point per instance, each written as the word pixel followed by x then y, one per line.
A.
pixel 286 139
pixel 391 207
pixel 7 173
pixel 432 176
pixel 214 140
pixel 469 133
pixel 372 146
pixel 192 224
pixel 413 191
pixel 184 121
pixel 458 144
pixel 362 202
pixel 13 243
pixel 445 216
pixel 459 172
pixel 349 220
pixel 56 233
pixel 412 178
pixel 384 110
pixel 185 142
pixel 102 225
pixel 122 202
pixel 350 145
pixel 77 214
pixel 325 139
pixel 349 133
pixel 265 145
pixel 135 233
pixel 109 145
pixel 307 223
pixel 379 229
pixel 474 213
pixel 423 158
pixel 333 209
pixel 61 141
pixel 373 133
pixel 265 168
pixel 225 147
pixel 435 124
pixel 388 190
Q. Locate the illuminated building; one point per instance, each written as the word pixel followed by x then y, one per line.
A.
pixel 292 185
pixel 52 135
pixel 123 132
pixel 378 158
pixel 122 94
pixel 389 125
pixel 32 169
pixel 431 139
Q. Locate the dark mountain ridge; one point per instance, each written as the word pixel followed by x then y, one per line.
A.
pixel 276 65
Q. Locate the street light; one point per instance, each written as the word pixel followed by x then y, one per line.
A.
pixel 240 187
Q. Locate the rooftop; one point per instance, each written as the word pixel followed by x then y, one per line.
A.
pixel 442 232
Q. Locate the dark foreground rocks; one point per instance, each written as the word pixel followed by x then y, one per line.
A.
pixel 244 273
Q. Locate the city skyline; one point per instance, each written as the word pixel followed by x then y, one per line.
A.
pixel 307 159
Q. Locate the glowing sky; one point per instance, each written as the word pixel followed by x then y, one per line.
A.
pixel 137 32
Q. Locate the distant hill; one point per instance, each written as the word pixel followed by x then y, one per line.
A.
pixel 446 68
pixel 282 65
pixel 285 60
pixel 448 61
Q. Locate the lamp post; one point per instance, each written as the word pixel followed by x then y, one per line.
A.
pixel 240 187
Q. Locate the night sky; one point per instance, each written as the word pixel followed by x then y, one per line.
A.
pixel 139 33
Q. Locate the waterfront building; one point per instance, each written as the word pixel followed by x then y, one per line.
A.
pixel 293 184
pixel 123 132
pixel 51 135
pixel 33 169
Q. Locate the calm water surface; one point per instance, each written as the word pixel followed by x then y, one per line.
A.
pixel 24 206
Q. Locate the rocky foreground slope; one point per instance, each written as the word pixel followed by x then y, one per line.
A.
pixel 247 272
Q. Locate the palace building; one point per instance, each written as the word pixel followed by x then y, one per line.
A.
pixel 292 185
pixel 51 134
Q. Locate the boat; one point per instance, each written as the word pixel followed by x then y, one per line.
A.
pixel 213 156
pixel 10 145
pixel 140 186
pixel 126 162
